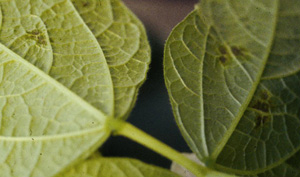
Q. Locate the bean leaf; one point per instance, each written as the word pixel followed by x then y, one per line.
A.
pixel 57 91
pixel 232 72
pixel 124 42
pixel 121 167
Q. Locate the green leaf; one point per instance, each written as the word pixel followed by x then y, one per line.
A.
pixel 54 112
pixel 232 72
pixel 119 167
pixel 124 42
pixel 44 126
pixel 96 154
pixel 288 168
pixel 52 36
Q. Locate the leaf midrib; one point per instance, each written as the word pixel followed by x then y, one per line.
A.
pixel 95 112
pixel 255 172
pixel 55 137
pixel 214 155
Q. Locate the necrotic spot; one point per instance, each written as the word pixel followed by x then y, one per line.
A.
pixel 37 36
pixel 261 120
pixel 223 59
pixel 237 51
pixel 262 106
pixel 222 50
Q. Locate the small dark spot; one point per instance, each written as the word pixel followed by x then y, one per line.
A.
pixel 42 40
pixel 84 4
pixel 93 122
pixel 32 139
pixel 262 106
pixel 236 51
pixel 261 120
pixel 34 32
pixel 264 95
pixel 223 59
pixel 258 122
pixel 41 153
pixel 222 50
pixel 37 36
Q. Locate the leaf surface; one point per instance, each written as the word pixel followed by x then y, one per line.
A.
pixel 124 42
pixel 52 36
pixel 44 126
pixel 238 114
pixel 121 167
pixel 53 113
pixel 208 84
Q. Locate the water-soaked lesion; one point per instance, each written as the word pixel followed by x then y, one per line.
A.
pixel 224 57
pixel 37 36
pixel 261 106
pixel 226 54
pixel 261 120
pixel 85 4
pixel 262 103
pixel 237 51
pixel 264 95
pixel 223 60
pixel 223 50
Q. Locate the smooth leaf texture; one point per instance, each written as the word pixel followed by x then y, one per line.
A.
pixel 124 42
pixel 116 167
pixel 232 72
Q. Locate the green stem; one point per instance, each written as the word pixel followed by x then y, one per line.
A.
pixel 125 129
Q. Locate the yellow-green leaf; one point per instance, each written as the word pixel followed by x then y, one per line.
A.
pixel 117 167
pixel 52 36
pixel 48 125
pixel 124 42
pixel 54 111
pixel 44 126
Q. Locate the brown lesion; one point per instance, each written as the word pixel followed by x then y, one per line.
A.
pixel 226 53
pixel 262 103
pixel 85 4
pixel 223 50
pixel 237 51
pixel 224 58
pixel 261 106
pixel 37 36
pixel 261 120
pixel 264 95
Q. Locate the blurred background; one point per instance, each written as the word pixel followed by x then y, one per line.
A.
pixel 152 112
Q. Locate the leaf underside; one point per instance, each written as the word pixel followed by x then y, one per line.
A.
pixel 232 72
pixel 120 167
pixel 123 40
pixel 57 86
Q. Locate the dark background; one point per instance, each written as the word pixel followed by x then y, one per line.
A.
pixel 152 112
